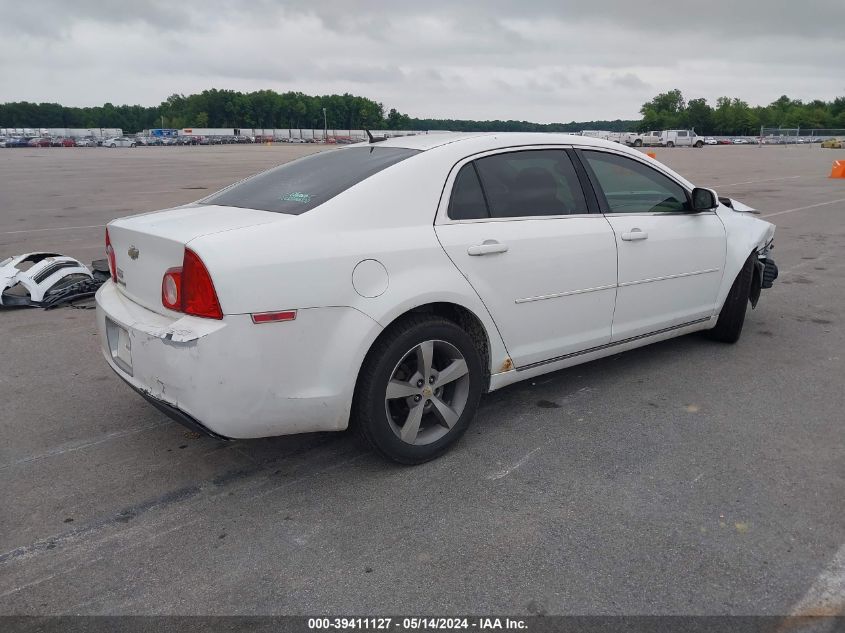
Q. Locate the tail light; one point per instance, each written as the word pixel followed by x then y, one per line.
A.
pixel 111 257
pixel 189 289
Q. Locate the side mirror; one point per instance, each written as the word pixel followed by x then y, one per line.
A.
pixel 704 200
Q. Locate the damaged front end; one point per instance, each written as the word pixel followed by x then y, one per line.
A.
pixel 46 280
pixel 765 273
pixel 765 269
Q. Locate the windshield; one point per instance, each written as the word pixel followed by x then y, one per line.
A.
pixel 308 182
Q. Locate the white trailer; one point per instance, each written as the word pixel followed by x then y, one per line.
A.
pixel 607 135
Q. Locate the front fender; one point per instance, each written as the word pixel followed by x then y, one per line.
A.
pixel 745 234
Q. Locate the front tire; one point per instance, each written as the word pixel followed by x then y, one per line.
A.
pixel 670 144
pixel 638 143
pixel 732 317
pixel 699 144
pixel 418 389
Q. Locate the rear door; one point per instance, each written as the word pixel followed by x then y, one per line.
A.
pixel 517 224
pixel 670 260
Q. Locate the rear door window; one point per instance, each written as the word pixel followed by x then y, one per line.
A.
pixel 467 201
pixel 530 183
pixel 301 185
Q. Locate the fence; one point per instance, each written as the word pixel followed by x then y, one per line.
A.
pixel 797 136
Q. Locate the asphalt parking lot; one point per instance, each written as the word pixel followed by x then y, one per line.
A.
pixel 687 477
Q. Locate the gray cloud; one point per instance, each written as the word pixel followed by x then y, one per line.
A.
pixel 539 60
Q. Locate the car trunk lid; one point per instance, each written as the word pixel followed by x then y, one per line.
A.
pixel 146 245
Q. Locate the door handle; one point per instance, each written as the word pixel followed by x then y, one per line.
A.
pixel 488 247
pixel 635 235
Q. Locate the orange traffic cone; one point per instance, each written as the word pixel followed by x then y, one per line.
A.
pixel 651 154
pixel 838 170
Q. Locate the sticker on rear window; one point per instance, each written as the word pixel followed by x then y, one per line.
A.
pixel 296 196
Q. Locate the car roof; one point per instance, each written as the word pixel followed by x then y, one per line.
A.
pixel 491 140
pixel 450 148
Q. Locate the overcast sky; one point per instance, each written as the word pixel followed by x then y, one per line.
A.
pixel 545 61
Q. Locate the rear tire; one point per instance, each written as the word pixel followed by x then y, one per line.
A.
pixel 699 144
pixel 418 389
pixel 732 317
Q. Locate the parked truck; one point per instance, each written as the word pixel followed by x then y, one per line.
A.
pixel 665 138
pixel 646 139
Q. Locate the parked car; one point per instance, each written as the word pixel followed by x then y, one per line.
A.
pixel 57 141
pixel 832 143
pixel 459 264
pixel 120 141
pixel 68 142
pixel 710 141
pixel 740 141
pixel 40 142
pixel 725 141
pixel 17 141
pixel 86 142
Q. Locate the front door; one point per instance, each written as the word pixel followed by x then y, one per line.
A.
pixel 671 261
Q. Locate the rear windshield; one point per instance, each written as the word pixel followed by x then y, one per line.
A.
pixel 303 184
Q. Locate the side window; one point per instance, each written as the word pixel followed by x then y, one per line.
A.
pixel 531 183
pixel 631 187
pixel 683 133
pixel 467 201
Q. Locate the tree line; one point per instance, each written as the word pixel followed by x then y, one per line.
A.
pixel 269 109
pixel 730 116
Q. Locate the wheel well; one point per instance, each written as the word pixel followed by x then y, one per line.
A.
pixel 470 324
pixel 463 318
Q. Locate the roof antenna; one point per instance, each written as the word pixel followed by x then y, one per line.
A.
pixel 373 139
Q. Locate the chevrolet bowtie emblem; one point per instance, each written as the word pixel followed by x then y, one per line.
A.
pixel 133 252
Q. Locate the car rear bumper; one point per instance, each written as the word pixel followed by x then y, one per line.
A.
pixel 235 379
pixel 177 415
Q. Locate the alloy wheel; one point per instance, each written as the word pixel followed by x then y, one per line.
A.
pixel 427 392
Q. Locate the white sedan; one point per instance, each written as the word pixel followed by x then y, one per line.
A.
pixel 389 285
pixel 119 141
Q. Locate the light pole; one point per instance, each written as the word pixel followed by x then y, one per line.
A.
pixel 325 127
